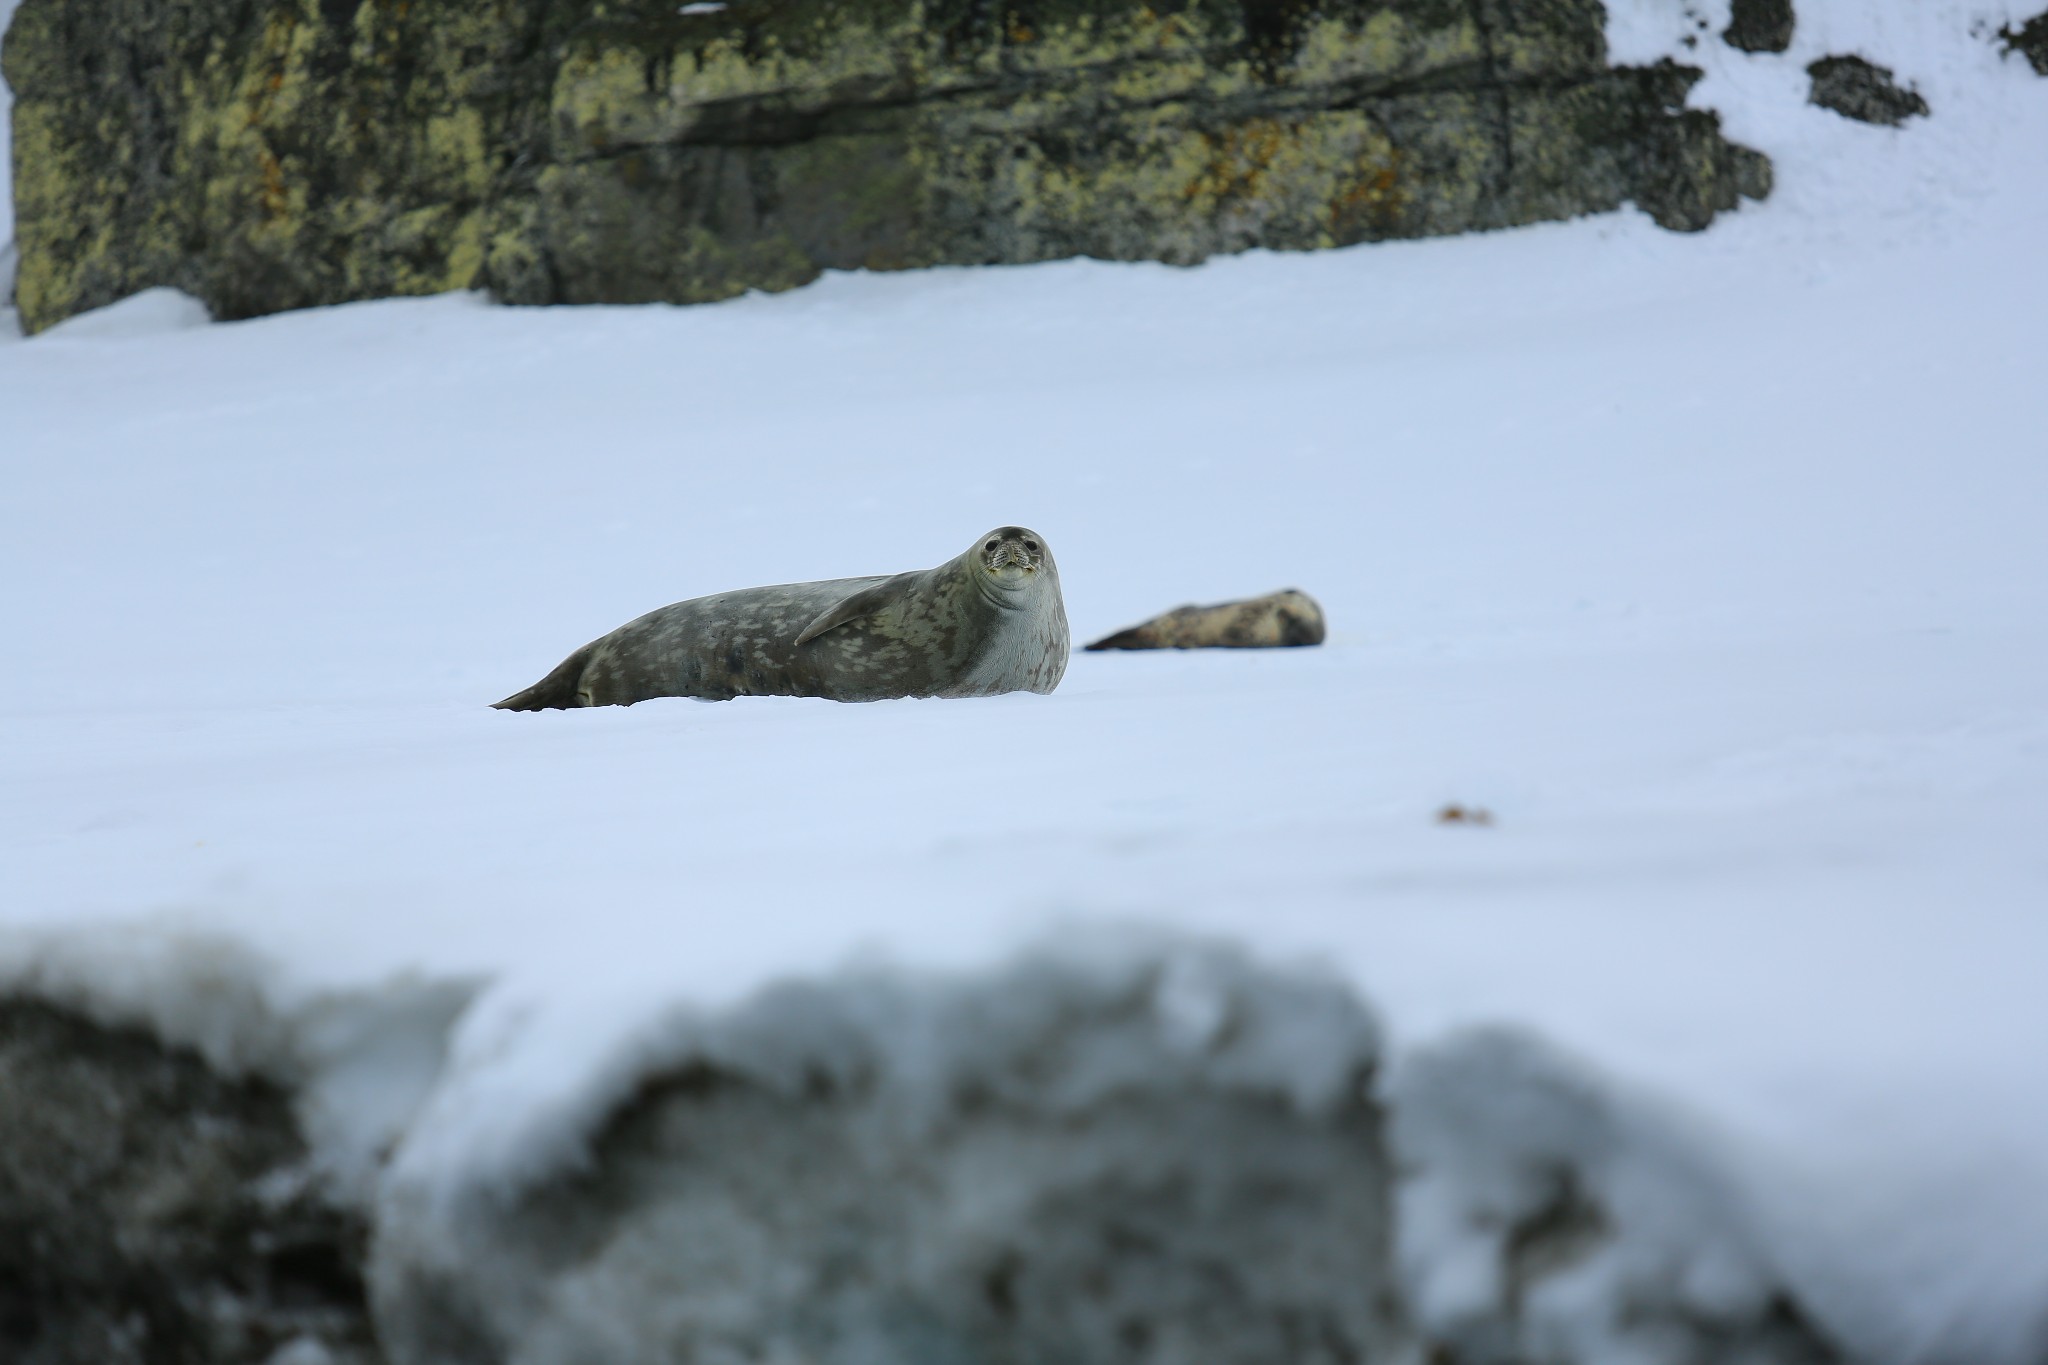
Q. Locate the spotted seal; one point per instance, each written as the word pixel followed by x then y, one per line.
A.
pixel 1288 617
pixel 988 620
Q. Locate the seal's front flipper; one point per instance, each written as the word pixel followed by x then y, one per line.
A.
pixel 866 602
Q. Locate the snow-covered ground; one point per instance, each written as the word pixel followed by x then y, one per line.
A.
pixel 1712 566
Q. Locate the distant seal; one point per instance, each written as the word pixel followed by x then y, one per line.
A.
pixel 1279 619
pixel 988 620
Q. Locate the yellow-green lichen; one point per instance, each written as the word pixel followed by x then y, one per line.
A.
pixel 48 181
pixel 1385 49
pixel 456 155
pixel 601 99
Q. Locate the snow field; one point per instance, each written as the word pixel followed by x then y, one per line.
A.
pixel 1711 566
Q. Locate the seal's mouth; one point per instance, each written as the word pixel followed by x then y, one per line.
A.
pixel 1012 557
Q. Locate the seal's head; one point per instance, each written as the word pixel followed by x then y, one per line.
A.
pixel 1013 557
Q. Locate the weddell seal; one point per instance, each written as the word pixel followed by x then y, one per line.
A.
pixel 988 620
pixel 1275 621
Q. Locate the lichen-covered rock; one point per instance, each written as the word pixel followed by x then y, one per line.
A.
pixel 2030 40
pixel 1861 90
pixel 151 1211
pixel 1760 25
pixel 270 154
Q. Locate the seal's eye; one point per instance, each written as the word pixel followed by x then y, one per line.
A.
pixel 991 546
pixel 1031 545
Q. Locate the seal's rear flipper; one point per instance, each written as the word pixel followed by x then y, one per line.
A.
pixel 558 691
pixel 520 701
pixel 1134 638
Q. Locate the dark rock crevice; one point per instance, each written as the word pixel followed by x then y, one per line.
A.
pixel 751 125
pixel 1483 19
pixel 151 1211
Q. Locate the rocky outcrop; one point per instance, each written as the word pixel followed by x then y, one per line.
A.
pixel 1759 25
pixel 271 154
pixel 152 1211
pixel 1861 90
pixel 2030 40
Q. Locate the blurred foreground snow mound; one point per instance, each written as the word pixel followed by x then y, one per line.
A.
pixel 1155 1152
pixel 1124 1147
pixel 1547 1214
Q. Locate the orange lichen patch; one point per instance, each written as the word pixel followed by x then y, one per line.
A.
pixel 262 96
pixel 274 197
pixel 1372 205
pixel 1238 160
pixel 282 49
pixel 1166 27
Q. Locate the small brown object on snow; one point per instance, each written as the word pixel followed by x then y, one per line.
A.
pixel 1455 814
pixel 1275 621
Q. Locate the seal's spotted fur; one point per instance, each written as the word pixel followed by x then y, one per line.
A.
pixel 986 621
pixel 1277 620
